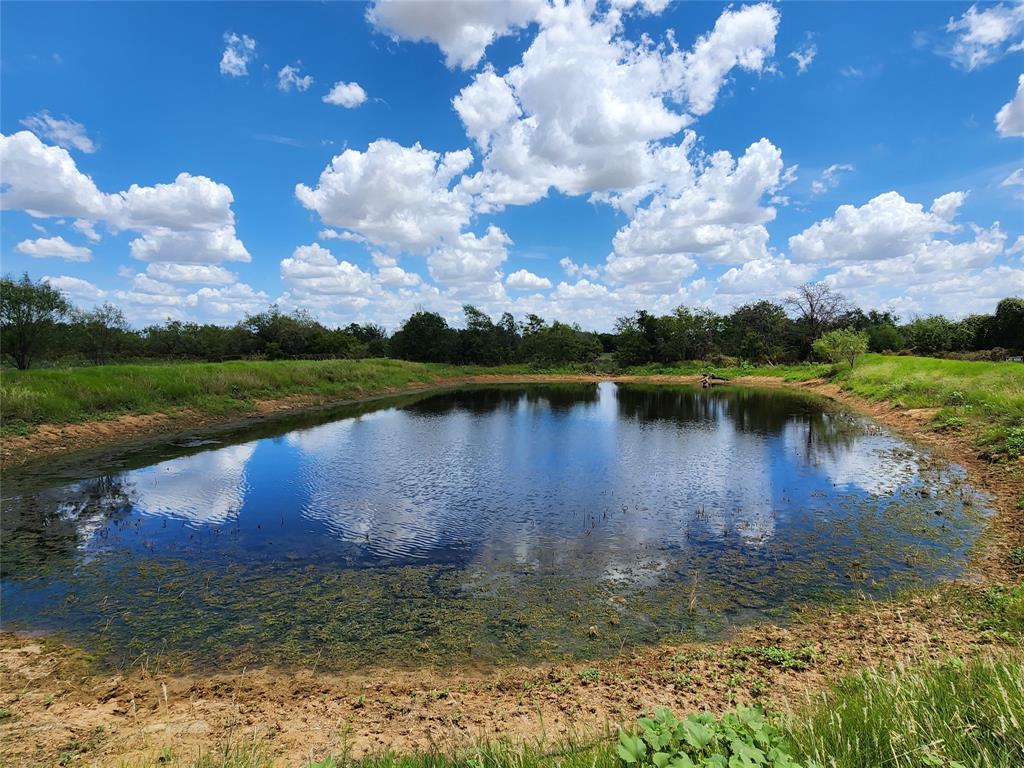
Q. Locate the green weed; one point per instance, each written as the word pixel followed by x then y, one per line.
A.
pixel 742 738
pixel 773 656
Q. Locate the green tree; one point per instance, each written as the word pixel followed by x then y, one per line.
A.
pixel 284 335
pixel 688 335
pixel 844 344
pixel 424 338
pixel 560 343
pixel 373 338
pixel 759 331
pixel 101 332
pixel 637 338
pixel 29 313
pixel 884 338
pixel 1009 324
pixel 482 342
pixel 931 335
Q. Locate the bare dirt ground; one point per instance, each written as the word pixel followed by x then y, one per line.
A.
pixel 55 709
pixel 60 710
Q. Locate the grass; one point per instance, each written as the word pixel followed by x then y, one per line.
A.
pixel 944 715
pixel 953 714
pixel 794 372
pixel 984 397
pixel 59 396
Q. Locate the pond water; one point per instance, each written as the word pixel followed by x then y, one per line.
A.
pixel 492 524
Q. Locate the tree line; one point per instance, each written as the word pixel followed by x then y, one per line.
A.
pixel 39 325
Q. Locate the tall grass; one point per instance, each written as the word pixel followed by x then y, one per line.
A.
pixel 924 382
pixel 985 396
pixel 790 372
pixel 941 715
pixel 499 755
pixel 75 394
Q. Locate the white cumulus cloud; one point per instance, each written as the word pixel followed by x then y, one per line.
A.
pixel 829 178
pixel 348 95
pixel 44 180
pixel 468 259
pixel 239 50
pixel 396 197
pixel 716 216
pixel 75 288
pixel 191 274
pixel 743 38
pixel 982 36
pixel 586 110
pixel 886 227
pixel 1010 118
pixel 86 228
pixel 54 247
pixel 312 269
pixel 226 304
pixel 572 269
pixel 187 220
pixel 803 56
pixel 288 77
pixel 462 30
pixel 524 280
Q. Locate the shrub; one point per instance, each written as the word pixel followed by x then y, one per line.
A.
pixel 740 738
pixel 844 344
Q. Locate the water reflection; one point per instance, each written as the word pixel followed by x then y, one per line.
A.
pixel 205 489
pixel 500 512
pixel 43 531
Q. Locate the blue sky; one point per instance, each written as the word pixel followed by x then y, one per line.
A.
pixel 577 161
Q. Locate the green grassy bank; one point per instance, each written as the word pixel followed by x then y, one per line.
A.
pixel 984 396
pixel 65 395
pixel 953 714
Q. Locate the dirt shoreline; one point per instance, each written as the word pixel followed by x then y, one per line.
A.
pixel 53 704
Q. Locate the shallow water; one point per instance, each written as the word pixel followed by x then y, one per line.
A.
pixel 491 523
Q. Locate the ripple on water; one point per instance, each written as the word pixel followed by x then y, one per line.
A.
pixel 504 523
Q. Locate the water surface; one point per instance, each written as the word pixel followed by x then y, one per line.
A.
pixel 491 523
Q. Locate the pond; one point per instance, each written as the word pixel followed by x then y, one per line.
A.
pixel 489 524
